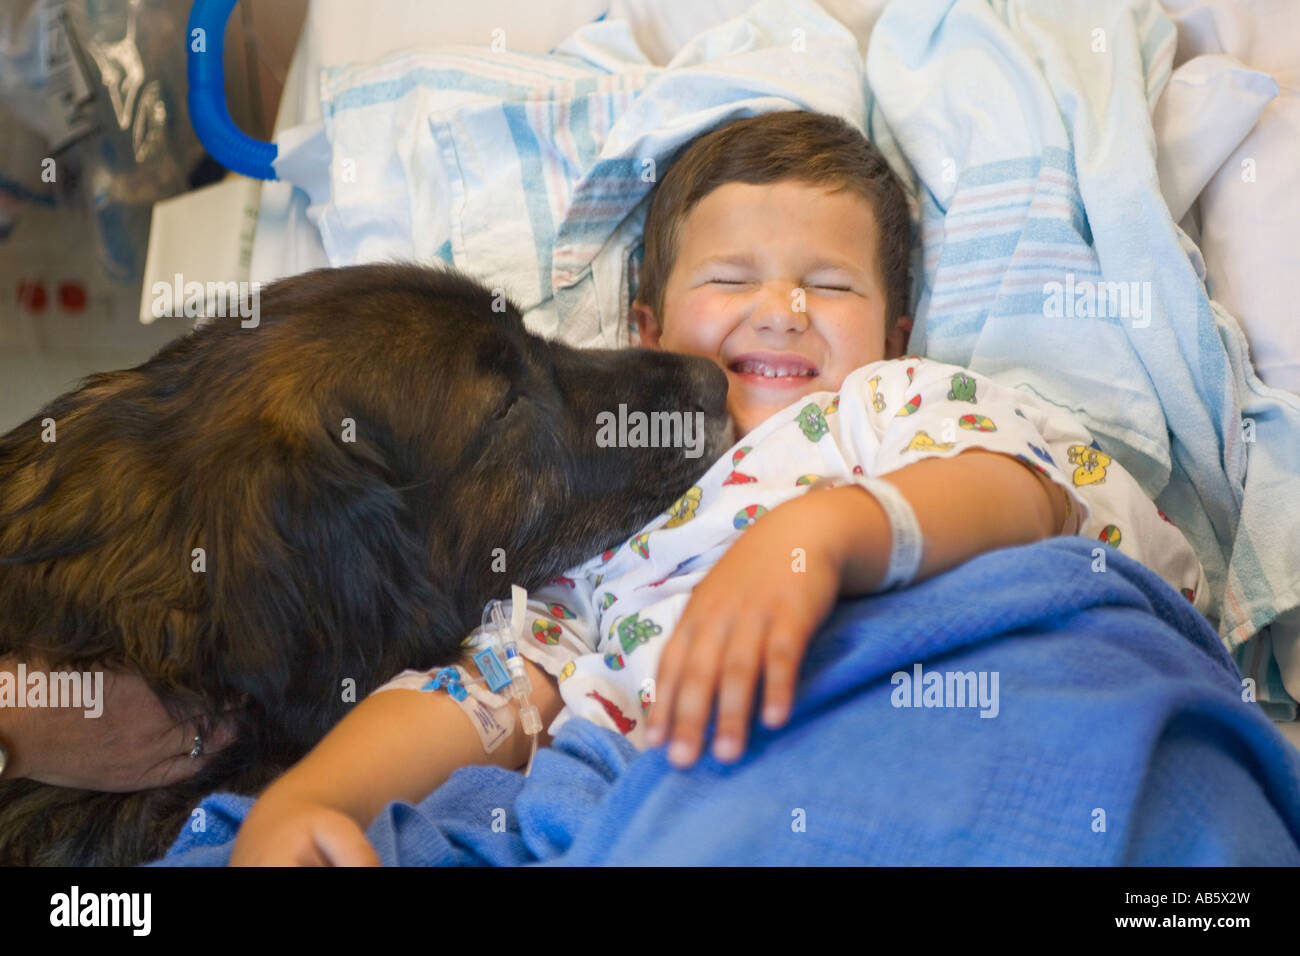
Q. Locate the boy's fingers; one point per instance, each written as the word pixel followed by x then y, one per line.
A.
pixel 671 661
pixel 341 843
pixel 743 657
pixel 308 854
pixel 694 695
pixel 782 654
pixel 664 679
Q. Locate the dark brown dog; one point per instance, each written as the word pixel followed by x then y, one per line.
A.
pixel 325 559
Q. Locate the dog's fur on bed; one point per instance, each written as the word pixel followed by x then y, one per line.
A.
pixel 327 560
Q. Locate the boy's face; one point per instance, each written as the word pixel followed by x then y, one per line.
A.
pixel 776 278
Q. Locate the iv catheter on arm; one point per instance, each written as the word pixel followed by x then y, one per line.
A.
pixel 496 655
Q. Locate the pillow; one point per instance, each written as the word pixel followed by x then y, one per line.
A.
pixel 1208 108
pixel 1249 207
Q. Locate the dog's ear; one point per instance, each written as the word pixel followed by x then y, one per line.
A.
pixel 257 564
pixel 318 576
pixel 70 505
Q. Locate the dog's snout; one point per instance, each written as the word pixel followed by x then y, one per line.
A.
pixel 709 386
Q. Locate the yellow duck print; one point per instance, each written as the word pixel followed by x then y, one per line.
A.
pixel 1091 464
pixel 922 441
pixel 683 509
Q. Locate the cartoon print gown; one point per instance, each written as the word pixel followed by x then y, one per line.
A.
pixel 600 627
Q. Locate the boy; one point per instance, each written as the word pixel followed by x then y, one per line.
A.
pixel 776 246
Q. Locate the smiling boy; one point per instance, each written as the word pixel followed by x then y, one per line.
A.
pixel 777 247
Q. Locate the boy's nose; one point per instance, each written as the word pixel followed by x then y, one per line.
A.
pixel 784 308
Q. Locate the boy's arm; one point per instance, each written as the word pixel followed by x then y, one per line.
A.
pixel 734 629
pixel 971 503
pixel 403 745
pixel 396 745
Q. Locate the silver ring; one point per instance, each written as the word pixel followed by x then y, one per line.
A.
pixel 198 747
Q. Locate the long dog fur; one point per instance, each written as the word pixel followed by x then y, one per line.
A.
pixel 324 561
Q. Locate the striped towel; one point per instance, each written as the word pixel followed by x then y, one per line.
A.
pixel 1050 262
pixel 532 171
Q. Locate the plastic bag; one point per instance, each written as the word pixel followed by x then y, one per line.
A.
pixel 94 92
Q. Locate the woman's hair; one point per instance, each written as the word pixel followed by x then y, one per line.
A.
pixel 814 148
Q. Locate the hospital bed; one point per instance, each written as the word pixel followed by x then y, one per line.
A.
pixel 1122 142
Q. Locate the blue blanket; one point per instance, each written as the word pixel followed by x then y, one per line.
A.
pixel 1118 735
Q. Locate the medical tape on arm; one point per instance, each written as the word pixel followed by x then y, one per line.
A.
pixel 491 714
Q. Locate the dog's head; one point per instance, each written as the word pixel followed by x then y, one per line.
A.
pixel 503 446
pixel 257 515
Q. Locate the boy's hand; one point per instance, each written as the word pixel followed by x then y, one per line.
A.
pixel 288 831
pixel 755 611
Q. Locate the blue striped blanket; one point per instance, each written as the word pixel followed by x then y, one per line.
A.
pixel 1051 263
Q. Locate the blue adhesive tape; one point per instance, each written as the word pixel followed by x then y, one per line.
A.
pixel 493 671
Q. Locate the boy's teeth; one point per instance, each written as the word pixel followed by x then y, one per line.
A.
pixel 767 371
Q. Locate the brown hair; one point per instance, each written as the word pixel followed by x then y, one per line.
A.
pixel 815 148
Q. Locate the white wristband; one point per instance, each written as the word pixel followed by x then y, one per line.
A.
pixel 906 543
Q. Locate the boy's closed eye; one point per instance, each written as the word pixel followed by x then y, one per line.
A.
pixel 821 286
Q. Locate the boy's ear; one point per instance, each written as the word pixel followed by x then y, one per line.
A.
pixel 896 340
pixel 646 325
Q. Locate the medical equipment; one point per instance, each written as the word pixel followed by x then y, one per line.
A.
pixel 498 637
pixel 207 96
pixel 907 545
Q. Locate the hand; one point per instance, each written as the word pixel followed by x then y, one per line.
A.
pixel 753 611
pixel 286 830
pixel 133 745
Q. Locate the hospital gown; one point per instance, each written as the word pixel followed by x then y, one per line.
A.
pixel 600 627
